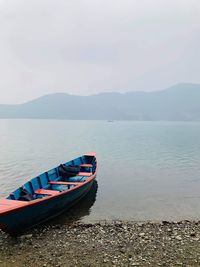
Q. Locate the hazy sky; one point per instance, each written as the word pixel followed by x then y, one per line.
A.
pixel 90 46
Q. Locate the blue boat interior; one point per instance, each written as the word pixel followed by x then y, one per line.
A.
pixel 56 180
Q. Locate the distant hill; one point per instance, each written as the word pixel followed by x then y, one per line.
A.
pixel 180 102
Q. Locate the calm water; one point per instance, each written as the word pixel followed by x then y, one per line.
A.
pixel 147 170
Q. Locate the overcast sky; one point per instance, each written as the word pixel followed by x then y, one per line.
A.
pixel 90 46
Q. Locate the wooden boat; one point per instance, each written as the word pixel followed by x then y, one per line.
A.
pixel 48 194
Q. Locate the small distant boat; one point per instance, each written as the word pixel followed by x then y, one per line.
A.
pixel 48 194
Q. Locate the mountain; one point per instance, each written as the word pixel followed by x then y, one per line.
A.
pixel 179 102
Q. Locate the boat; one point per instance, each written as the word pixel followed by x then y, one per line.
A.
pixel 48 194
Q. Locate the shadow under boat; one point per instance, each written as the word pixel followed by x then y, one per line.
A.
pixel 77 212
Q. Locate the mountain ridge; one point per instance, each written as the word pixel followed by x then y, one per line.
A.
pixel 178 102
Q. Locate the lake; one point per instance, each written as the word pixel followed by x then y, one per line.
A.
pixel 147 170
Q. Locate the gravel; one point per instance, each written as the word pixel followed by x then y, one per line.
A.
pixel 117 243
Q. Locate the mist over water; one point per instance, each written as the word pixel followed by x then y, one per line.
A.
pixel 147 170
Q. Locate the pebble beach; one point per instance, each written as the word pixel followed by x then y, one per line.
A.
pixel 117 243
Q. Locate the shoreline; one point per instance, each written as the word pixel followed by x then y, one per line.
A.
pixel 116 243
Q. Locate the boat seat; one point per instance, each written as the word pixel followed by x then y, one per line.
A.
pixel 62 186
pixel 80 177
pixel 86 165
pixel 84 174
pixel 64 183
pixel 47 192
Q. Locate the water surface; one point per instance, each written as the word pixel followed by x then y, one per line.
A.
pixel 147 170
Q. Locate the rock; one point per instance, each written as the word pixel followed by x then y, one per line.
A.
pixel 169 230
pixel 192 234
pixel 28 236
pixel 141 234
pixel 165 222
pixel 122 250
pixel 135 264
pixel 195 239
pixel 178 237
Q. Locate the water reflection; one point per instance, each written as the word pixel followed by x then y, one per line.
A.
pixel 78 211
